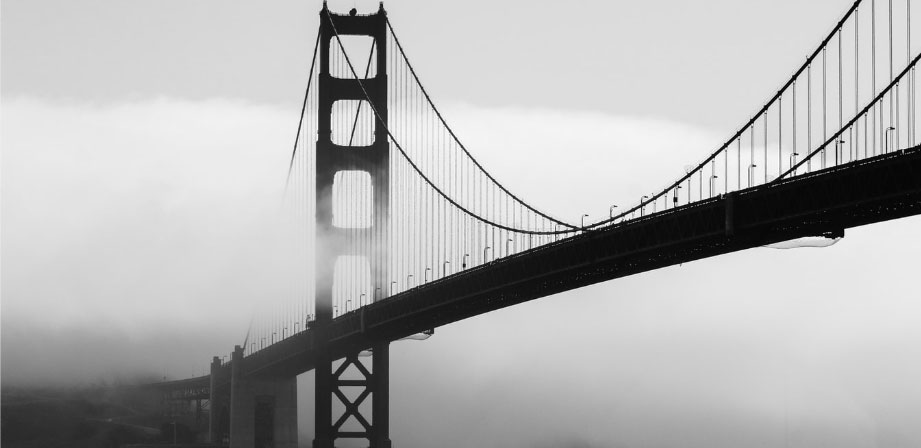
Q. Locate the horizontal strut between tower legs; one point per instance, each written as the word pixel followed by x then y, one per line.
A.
pixel 339 89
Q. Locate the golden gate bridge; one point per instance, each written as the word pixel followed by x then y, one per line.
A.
pixel 400 229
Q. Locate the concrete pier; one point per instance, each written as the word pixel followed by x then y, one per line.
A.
pixel 263 412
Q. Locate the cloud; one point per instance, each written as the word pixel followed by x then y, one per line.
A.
pixel 138 237
pixel 139 218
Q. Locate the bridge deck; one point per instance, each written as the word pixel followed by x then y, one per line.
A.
pixel 872 190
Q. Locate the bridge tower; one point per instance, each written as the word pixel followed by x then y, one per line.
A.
pixel 334 241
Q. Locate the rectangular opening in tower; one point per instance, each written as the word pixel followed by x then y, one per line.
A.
pixel 352 123
pixel 361 51
pixel 353 200
pixel 351 283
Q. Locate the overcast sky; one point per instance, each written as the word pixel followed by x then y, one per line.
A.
pixel 145 145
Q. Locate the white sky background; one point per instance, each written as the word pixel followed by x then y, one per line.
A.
pixel 144 151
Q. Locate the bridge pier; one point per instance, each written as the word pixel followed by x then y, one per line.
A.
pixel 263 412
pixel 218 417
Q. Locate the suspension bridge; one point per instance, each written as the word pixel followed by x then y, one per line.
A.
pixel 399 229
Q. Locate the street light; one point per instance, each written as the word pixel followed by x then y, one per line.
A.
pixel 484 253
pixel 713 178
pixel 793 159
pixel 890 128
pixel 283 330
pixel 675 198
pixel 361 300
pixel 506 246
pixel 426 274
pixel 642 205
pixel 583 222
pixel 464 265
pixel 751 170
pixel 348 302
pixel 444 268
pixel 273 338
pixel 611 211
pixel 407 280
pixel 391 286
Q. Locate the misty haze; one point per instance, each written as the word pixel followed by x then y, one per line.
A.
pixel 461 224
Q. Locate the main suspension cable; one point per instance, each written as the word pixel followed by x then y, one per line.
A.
pixel 300 122
pixel 457 140
pixel 416 167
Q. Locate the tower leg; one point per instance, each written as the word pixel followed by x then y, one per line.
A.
pixel 380 413
pixel 323 384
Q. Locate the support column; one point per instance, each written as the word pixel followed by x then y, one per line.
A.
pixel 218 404
pixel 380 411
pixel 263 412
pixel 323 403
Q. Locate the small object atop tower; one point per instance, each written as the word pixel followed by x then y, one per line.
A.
pixel 353 12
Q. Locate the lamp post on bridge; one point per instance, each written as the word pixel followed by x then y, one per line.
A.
pixel 464 265
pixel 751 171
pixel 675 197
pixel 888 130
pixel 361 300
pixel 838 145
pixel 713 178
pixel 611 213
pixel 407 280
pixel 425 275
pixel 263 344
pixel 584 215
pixel 391 286
pixel 273 338
pixel 793 160
pixel 507 251
pixel 376 295
pixel 643 205
pixel 485 249
pixel 444 268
